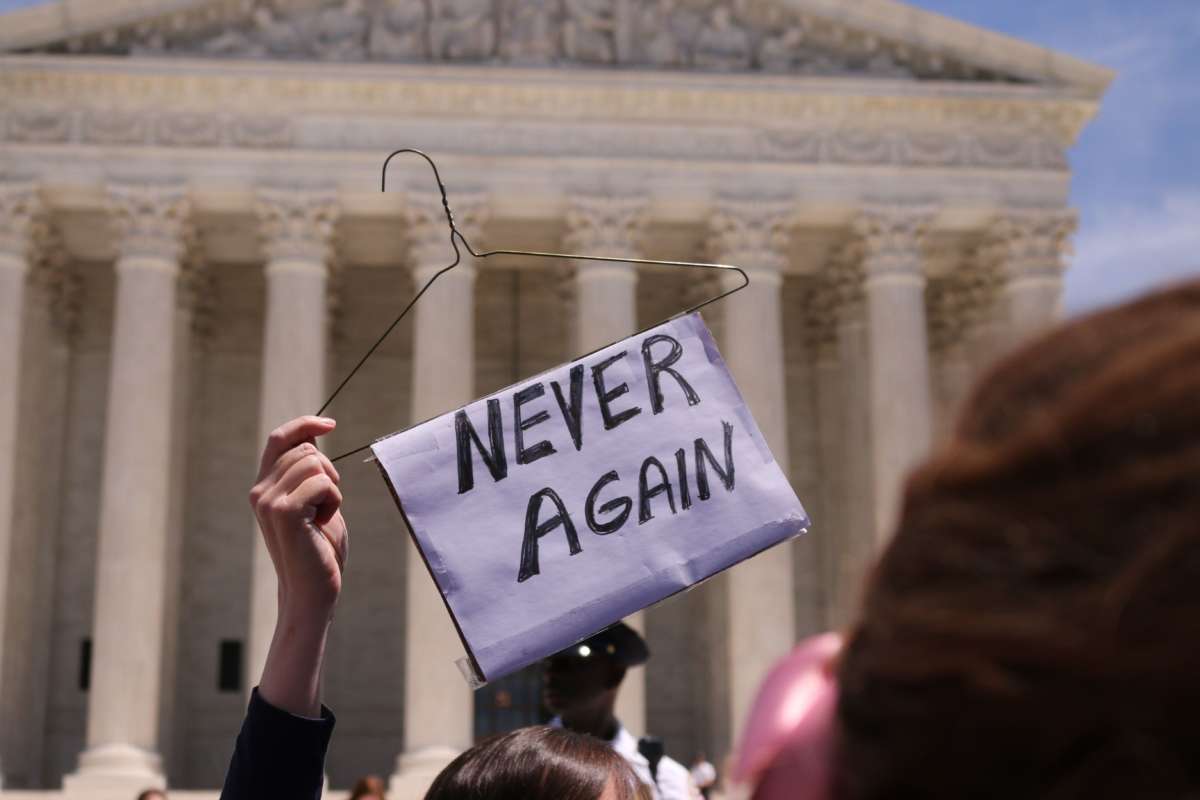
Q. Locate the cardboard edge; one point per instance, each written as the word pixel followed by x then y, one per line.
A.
pixel 475 668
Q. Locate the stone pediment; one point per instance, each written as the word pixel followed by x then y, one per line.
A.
pixel 865 38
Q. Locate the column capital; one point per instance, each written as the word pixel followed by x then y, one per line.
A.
pixel 1033 244
pixel 429 235
pixel 198 295
pixel 605 225
pixel 958 304
pixel 61 284
pixel 20 217
pixel 297 225
pixel 821 317
pixel 152 222
pixel 949 315
pixel 891 237
pixel 752 233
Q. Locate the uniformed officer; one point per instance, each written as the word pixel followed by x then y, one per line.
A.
pixel 581 685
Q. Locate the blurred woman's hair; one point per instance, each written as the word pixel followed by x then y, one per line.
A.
pixel 1033 629
pixel 538 763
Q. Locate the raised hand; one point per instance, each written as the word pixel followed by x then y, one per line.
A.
pixel 297 503
pixel 296 500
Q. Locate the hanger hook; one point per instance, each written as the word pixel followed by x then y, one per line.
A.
pixel 455 237
pixel 437 176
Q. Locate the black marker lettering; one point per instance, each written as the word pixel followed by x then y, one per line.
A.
pixel 464 434
pixel 702 453
pixel 623 503
pixel 655 368
pixel 572 412
pixel 646 493
pixel 542 448
pixel 607 396
pixel 534 531
pixel 685 494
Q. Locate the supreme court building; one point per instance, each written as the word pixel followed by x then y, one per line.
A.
pixel 194 248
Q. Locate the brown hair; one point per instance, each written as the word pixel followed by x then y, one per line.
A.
pixel 538 763
pixel 368 786
pixel 1031 630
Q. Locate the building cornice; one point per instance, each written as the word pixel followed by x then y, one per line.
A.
pixel 46 84
pixel 963 40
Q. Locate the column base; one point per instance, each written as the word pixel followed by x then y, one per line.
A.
pixel 117 771
pixel 415 771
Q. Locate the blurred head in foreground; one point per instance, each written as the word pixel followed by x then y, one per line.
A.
pixel 539 763
pixel 1030 631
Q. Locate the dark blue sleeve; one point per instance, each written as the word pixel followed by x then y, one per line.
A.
pixel 278 754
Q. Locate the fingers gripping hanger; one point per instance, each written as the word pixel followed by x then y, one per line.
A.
pixel 457 237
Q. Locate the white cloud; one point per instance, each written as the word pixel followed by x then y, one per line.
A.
pixel 1140 210
pixel 1124 250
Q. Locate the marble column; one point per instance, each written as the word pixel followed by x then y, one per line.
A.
pixel 855 495
pixel 961 308
pixel 991 334
pixel 124 701
pixel 948 354
pixel 1034 244
pixel 606 310
pixel 900 402
pixel 297 233
pixel 760 613
pixel 19 207
pixel 807 335
pixel 50 311
pixel 193 296
pixel 438 710
pixel 829 522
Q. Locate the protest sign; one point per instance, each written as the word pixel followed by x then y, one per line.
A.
pixel 559 505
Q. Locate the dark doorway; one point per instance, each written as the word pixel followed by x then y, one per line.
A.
pixel 511 702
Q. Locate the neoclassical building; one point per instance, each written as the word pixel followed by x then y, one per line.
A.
pixel 194 248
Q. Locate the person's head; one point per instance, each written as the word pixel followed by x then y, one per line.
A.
pixel 586 676
pixel 786 748
pixel 1030 630
pixel 368 787
pixel 152 794
pixel 539 763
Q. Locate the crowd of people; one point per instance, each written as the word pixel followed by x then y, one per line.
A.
pixel 1026 633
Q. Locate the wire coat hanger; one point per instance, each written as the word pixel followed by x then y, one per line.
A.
pixel 456 237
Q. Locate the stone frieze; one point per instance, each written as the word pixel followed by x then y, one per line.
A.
pixel 698 35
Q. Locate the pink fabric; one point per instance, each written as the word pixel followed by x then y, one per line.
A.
pixel 787 743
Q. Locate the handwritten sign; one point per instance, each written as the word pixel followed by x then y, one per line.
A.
pixel 561 504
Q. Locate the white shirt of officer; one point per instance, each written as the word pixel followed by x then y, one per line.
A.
pixel 674 781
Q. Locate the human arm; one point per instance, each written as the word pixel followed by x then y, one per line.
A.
pixel 278 754
pixel 296 501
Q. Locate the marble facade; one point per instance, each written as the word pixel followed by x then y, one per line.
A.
pixel 193 248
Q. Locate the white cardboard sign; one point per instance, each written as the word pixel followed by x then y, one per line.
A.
pixel 554 508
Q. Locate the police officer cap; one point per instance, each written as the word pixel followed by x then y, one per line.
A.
pixel 620 643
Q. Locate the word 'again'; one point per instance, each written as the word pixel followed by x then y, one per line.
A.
pixel 618 510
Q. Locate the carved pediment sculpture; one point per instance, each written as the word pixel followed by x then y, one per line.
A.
pixel 700 35
pixel 398 32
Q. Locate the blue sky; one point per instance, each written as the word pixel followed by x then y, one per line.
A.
pixel 1137 165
